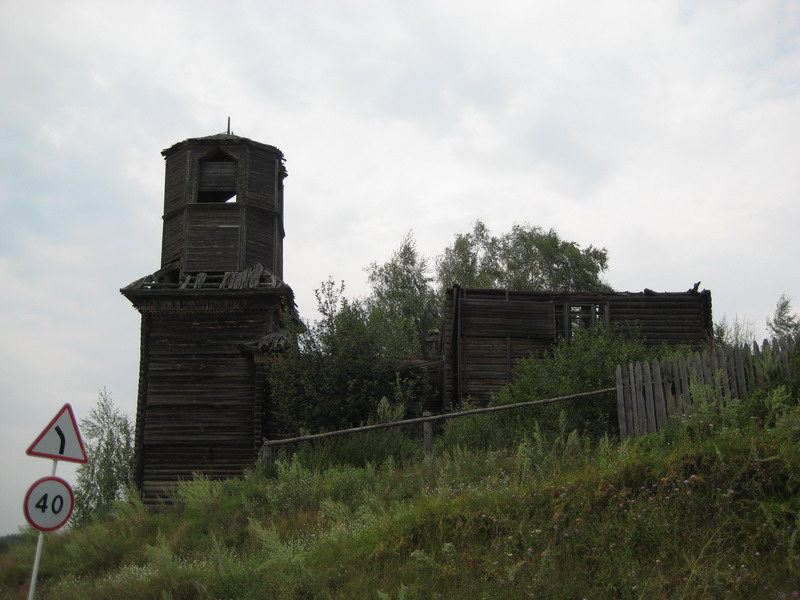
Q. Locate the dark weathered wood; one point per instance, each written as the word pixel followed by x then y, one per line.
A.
pixel 741 374
pixel 649 398
pixel 658 395
pixel 427 430
pixel 622 406
pixel 201 230
pixel 635 405
pixel 641 402
pixel 202 395
pixel 488 331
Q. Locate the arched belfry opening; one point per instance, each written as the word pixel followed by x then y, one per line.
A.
pixel 219 291
pixel 218 176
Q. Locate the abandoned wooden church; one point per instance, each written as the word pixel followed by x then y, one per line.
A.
pixel 210 310
pixel 218 293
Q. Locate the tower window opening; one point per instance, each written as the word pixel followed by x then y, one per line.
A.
pixel 218 175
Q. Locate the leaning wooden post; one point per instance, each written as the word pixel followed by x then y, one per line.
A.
pixel 266 453
pixel 427 431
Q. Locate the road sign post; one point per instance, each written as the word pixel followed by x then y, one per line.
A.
pixel 50 501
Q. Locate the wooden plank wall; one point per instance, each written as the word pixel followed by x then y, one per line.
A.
pixel 260 243
pixel 201 399
pixel 488 331
pixel 213 238
pixel 665 318
pixel 262 180
pixel 649 394
pixel 221 236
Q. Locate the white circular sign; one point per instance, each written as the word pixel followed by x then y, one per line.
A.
pixel 49 503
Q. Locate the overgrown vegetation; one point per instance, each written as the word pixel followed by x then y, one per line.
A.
pixel 523 259
pixel 708 508
pixel 105 478
pixel 340 368
pixel 337 370
pixel 530 503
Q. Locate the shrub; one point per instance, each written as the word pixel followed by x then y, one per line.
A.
pixel 338 370
pixel 585 363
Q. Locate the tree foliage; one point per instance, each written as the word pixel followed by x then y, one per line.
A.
pixel 354 355
pixel 402 296
pixel 736 334
pixel 527 258
pixel 343 365
pixel 587 362
pixel 784 322
pixel 105 478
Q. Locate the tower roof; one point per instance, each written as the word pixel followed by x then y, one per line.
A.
pixel 219 138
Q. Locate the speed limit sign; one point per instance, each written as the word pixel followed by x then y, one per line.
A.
pixel 49 503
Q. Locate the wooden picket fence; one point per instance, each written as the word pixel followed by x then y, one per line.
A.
pixel 650 393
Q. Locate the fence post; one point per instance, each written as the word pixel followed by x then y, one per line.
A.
pixel 266 453
pixel 427 432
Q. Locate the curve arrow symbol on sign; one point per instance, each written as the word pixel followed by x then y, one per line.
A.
pixel 61 439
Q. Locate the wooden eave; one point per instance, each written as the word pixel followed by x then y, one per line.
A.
pixel 223 139
pixel 257 281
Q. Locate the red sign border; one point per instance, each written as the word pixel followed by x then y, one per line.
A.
pixel 67 407
pixel 28 495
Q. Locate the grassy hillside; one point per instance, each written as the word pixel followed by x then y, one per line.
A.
pixel 709 508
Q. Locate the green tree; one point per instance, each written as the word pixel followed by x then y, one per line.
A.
pixel 736 334
pixel 527 258
pixel 784 322
pixel 342 365
pixel 107 475
pixel 402 300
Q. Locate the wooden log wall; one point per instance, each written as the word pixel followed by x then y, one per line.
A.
pixel 203 232
pixel 218 293
pixel 488 331
pixel 201 397
pixel 649 394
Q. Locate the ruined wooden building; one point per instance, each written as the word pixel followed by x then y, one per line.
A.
pixel 217 295
pixel 487 331
pixel 211 310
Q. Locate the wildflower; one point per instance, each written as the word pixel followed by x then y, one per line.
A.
pixel 758 553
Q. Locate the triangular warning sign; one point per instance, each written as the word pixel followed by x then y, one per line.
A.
pixel 61 439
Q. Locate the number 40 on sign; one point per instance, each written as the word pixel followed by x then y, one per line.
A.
pixel 49 503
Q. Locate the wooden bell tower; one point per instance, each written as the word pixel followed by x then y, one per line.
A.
pixel 207 312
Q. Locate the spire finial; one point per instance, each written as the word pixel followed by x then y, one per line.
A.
pixel 229 125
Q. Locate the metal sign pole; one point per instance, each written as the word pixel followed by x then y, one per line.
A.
pixel 39 546
pixel 36 562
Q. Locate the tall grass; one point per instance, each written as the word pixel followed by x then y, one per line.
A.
pixel 708 508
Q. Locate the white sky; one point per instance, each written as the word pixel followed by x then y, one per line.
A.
pixel 666 131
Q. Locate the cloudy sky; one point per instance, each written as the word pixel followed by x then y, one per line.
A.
pixel 666 131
